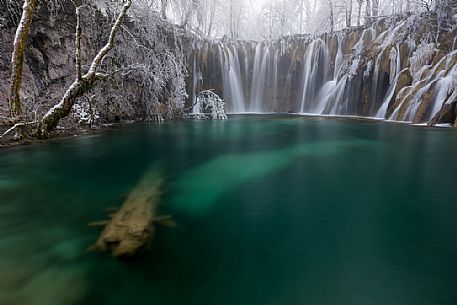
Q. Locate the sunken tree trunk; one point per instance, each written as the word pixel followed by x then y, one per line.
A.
pixel 131 228
pixel 17 59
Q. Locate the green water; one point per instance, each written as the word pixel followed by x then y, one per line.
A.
pixel 269 210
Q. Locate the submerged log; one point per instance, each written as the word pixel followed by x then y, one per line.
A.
pixel 131 228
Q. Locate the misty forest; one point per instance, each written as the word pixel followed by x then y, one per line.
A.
pixel 227 152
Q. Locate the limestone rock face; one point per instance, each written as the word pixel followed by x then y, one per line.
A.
pixel 447 115
pixel 404 80
pixel 385 71
pixel 49 66
pixel 349 42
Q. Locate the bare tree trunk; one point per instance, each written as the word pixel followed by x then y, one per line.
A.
pixel 81 85
pixel 332 21
pixel 368 13
pixel 163 9
pixel 349 13
pixel 359 11
pixel 211 19
pixel 408 5
pixel 375 9
pixel 190 13
pixel 78 40
pixel 17 59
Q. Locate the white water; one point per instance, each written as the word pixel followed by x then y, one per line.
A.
pixel 261 65
pixel 316 65
pixel 196 109
pixel 313 75
pixel 232 78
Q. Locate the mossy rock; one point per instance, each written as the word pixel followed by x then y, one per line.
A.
pixel 404 54
pixel 446 115
pixel 349 42
pixel 425 104
pixel 406 101
pixel 446 41
pixel 333 46
pixel 385 60
pixel 404 80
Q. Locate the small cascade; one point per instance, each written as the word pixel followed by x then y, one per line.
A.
pixel 339 59
pixel 332 96
pixel 315 73
pixel 395 70
pixel 232 78
pixel 426 98
pixel 446 85
pixel 275 77
pixel 383 110
pixel 375 82
pixel 388 71
pixel 261 68
pixel 196 107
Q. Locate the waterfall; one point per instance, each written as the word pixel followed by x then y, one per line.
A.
pixel 196 109
pixel 315 73
pixel 445 84
pixel 233 89
pixel 395 70
pixel 339 59
pixel 275 77
pixel 261 66
pixel 358 72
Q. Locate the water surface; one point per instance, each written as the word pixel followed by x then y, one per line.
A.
pixel 269 210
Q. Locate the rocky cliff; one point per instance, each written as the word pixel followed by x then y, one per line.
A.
pixel 401 68
pixel 149 52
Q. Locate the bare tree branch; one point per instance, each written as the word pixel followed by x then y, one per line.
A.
pixel 80 86
pixel 17 59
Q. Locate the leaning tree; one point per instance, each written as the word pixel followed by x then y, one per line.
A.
pixel 84 80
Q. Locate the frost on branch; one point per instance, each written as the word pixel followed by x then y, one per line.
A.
pixel 212 102
pixel 151 83
pixel 85 112
pixel 422 56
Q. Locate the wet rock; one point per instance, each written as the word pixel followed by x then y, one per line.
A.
pixel 349 42
pixel 447 115
pixel 424 107
pixel 404 80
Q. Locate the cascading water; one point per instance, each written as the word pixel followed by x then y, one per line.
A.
pixel 232 78
pixel 196 107
pixel 387 71
pixel 395 70
pixel 261 67
pixel 315 73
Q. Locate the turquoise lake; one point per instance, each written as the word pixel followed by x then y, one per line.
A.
pixel 269 210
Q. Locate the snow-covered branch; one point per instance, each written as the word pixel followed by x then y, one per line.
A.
pixel 214 103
